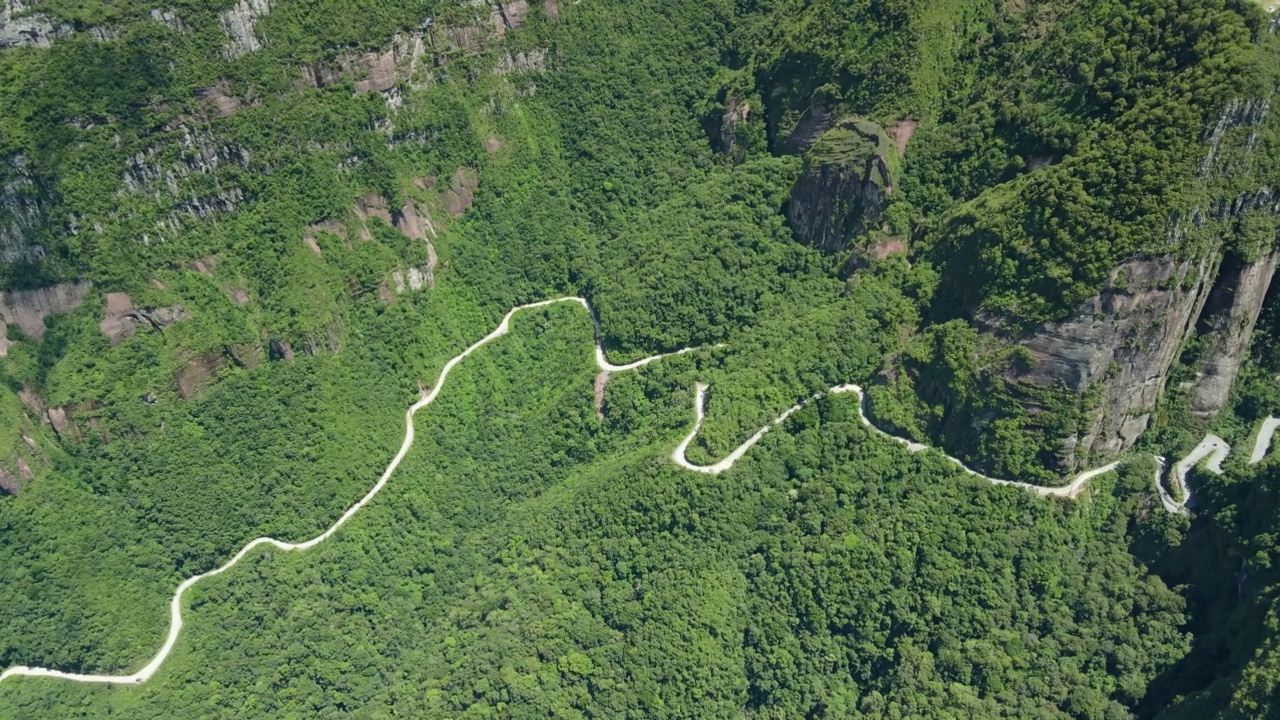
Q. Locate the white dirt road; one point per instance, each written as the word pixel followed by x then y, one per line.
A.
pixel 1212 447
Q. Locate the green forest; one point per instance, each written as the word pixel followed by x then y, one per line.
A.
pixel 307 207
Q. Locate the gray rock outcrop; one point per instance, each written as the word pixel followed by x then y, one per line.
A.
pixel 733 120
pixel 169 19
pixel 122 319
pixel 21 29
pixel 28 308
pixel 1228 322
pixel 164 170
pixel 240 22
pixel 843 187
pixel 1117 349
pixel 19 213
pixel 1120 345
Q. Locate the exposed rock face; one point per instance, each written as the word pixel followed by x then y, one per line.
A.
pixel 415 224
pixel 205 265
pixel 122 319
pixel 434 44
pixel 797 133
pixel 331 342
pixel 509 15
pixel 62 423
pixel 12 480
pixel 1226 325
pixel 169 19
pixel 162 174
pixel 280 350
pixel 1117 349
pixel 199 154
pixel 19 212
pixel 15 470
pixel 1237 113
pixel 843 187
pixel 901 133
pixel 196 373
pixel 414 278
pixel 248 356
pixel 534 60
pixel 238 294
pixel 29 308
pixel 18 28
pixel 412 222
pixel 224 105
pixel 371 71
pixel 601 384
pixel 1229 318
pixel 1121 344
pixel 737 113
pixel 240 22
pixel 371 206
pixel 462 191
pixel 117 325
pixel 10 484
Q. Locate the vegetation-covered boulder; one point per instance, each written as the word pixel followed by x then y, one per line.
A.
pixel 844 186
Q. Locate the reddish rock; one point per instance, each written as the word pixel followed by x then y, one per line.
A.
pixel 901 133
pixel 224 105
pixel 122 319
pixel 462 191
pixel 379 72
pixel 63 424
pixel 602 382
pixel 408 221
pixel 205 265
pixel 280 350
pixel 119 304
pixel 888 246
pixel 29 308
pixel 10 484
pixel 117 324
pixel 329 226
pixel 195 374
pixel 373 206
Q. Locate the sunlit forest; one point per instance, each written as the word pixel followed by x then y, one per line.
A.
pixel 303 241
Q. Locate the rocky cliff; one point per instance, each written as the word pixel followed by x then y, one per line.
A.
pixel 19 27
pixel 1121 345
pixel 843 186
pixel 240 23
pixel 19 212
pixel 1227 326
pixel 28 308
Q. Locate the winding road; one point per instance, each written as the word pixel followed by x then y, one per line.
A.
pixel 1212 447
pixel 175 605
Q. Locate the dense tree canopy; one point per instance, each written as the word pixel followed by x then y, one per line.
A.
pixel 537 555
